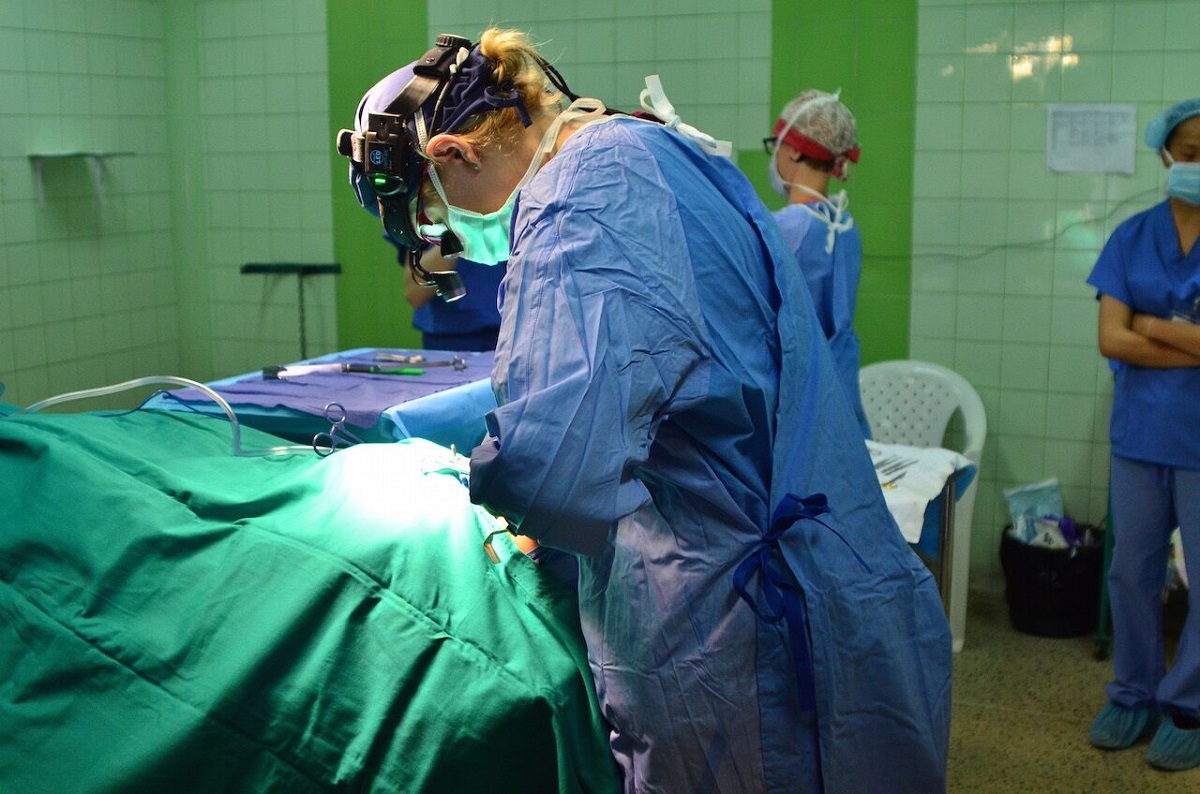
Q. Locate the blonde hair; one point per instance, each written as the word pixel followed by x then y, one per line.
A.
pixel 516 62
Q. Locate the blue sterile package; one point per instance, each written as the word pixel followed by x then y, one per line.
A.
pixel 1028 503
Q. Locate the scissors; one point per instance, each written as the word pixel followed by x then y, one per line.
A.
pixel 338 437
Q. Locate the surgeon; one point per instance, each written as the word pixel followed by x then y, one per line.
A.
pixel 670 415
pixel 1148 284
pixel 814 140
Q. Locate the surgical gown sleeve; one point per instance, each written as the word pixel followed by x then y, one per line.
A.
pixel 599 338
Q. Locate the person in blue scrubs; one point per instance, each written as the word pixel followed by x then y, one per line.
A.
pixel 670 415
pixel 1148 283
pixel 814 140
pixel 470 323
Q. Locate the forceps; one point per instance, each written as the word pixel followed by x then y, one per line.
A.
pixel 337 437
pixel 458 362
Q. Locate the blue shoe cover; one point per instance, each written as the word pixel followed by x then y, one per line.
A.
pixel 1174 748
pixel 1117 727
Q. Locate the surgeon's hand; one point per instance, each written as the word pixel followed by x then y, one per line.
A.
pixel 524 542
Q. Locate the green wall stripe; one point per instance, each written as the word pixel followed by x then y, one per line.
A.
pixel 367 39
pixel 189 207
pixel 868 49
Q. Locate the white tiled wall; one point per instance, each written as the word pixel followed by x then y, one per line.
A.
pixel 713 57
pixel 1002 247
pixel 95 287
pixel 86 285
pixel 263 107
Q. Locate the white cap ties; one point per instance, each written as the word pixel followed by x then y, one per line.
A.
pixel 654 100
pixel 840 222
pixel 829 210
pixel 462 54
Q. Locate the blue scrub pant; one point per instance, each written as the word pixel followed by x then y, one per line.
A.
pixel 1148 502
pixel 475 341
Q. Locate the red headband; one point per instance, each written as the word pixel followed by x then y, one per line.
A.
pixel 810 148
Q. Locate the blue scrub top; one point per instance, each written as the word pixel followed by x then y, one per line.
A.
pixel 832 279
pixel 471 322
pixel 1155 413
pixel 663 387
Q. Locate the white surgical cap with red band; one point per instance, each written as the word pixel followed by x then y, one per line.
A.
pixel 810 148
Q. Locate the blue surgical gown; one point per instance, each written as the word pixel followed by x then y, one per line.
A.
pixel 663 386
pixel 832 278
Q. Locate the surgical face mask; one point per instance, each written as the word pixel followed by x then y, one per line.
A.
pixel 1183 180
pixel 777 183
pixel 485 237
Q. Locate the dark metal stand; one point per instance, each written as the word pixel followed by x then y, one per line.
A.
pixel 300 271
pixel 942 566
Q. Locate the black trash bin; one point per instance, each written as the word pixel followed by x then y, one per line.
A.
pixel 1051 592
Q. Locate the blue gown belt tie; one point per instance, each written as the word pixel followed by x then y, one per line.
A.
pixel 782 597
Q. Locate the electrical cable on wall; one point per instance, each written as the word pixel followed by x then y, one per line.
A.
pixel 1034 243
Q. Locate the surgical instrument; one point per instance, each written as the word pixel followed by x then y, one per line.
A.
pixel 283 373
pixel 458 362
pixel 337 437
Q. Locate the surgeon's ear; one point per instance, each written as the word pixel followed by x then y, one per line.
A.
pixel 446 149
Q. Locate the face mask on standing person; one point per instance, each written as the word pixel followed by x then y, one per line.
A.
pixel 1183 180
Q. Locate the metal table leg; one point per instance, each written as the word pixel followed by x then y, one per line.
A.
pixel 946 541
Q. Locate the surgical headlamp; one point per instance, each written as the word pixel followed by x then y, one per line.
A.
pixel 452 82
pixel 390 157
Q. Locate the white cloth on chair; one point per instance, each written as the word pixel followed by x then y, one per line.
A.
pixel 914 477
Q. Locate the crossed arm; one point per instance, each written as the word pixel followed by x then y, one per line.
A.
pixel 1146 340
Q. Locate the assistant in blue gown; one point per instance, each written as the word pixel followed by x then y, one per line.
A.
pixel 470 323
pixel 831 262
pixel 663 388
pixel 1155 479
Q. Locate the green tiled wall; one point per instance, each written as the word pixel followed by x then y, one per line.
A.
pixel 262 108
pixel 1002 246
pixel 367 39
pixel 198 90
pixel 217 110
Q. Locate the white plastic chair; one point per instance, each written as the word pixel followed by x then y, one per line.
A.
pixel 912 402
